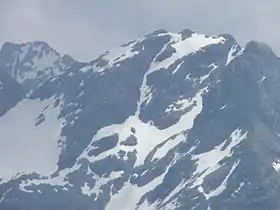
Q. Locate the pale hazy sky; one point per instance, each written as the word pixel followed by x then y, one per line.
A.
pixel 86 28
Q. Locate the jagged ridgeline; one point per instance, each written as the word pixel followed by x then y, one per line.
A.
pixel 170 121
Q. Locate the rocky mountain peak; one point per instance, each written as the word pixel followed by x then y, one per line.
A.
pixel 32 63
pixel 170 121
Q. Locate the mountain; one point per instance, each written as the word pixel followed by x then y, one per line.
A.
pixel 170 121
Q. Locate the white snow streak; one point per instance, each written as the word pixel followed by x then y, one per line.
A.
pixel 172 194
pixel 178 67
pixel 3 196
pixel 203 78
pixel 263 78
pixel 234 50
pixel 223 107
pixel 222 186
pixel 208 162
pixel 235 193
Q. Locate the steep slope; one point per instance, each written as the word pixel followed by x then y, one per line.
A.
pixel 32 63
pixel 171 121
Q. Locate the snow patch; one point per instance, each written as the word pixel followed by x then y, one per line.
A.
pixel 148 136
pixel 186 47
pixel 213 68
pixel 276 165
pixel 86 189
pixel 25 146
pixel 86 69
pixel 180 105
pixel 223 107
pixel 263 78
